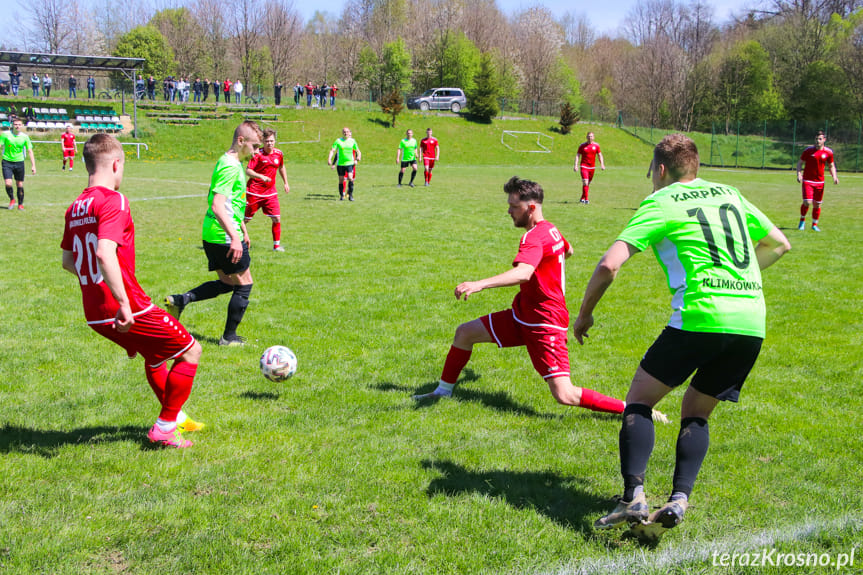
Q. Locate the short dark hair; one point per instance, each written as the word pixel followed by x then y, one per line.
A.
pixel 245 128
pixel 679 154
pixel 269 132
pixel 820 133
pixel 526 190
pixel 97 148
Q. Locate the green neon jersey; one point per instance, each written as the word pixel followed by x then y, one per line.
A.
pixel 408 146
pixel 229 180
pixel 345 148
pixel 14 147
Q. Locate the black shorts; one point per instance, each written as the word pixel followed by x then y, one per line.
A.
pixel 13 170
pixel 217 256
pixel 409 163
pixel 723 360
pixel 345 170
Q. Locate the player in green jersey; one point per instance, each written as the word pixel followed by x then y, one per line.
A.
pixel 712 244
pixel 407 156
pixel 347 155
pixel 16 144
pixel 226 241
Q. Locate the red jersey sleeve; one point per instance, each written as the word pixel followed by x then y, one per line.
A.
pixel 114 219
pixel 530 250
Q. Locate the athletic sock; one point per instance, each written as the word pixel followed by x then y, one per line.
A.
pixel 692 443
pixel 413 175
pixel 804 209
pixel 636 444
pixel 430 175
pixel 350 187
pixel 401 175
pixel 277 232
pixel 166 426
pixel 21 195
pixel 595 401
pixel 816 214
pixel 156 377
pixel 237 308
pixel 71 163
pixel 10 193
pixel 584 192
pixel 177 389
pixel 456 359
pixel 207 290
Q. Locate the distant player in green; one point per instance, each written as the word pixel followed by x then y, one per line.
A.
pixel 16 144
pixel 347 155
pixel 226 241
pixel 711 243
pixel 407 156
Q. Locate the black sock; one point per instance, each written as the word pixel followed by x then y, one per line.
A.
pixel 207 290
pixel 401 175
pixel 636 444
pixel 413 175
pixel 21 195
pixel 237 308
pixel 10 193
pixel 692 443
pixel 350 187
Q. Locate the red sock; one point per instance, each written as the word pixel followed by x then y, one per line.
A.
pixel 804 209
pixel 71 163
pixel 156 377
pixel 816 213
pixel 177 389
pixel 430 177
pixel 277 232
pixel 456 359
pixel 595 401
pixel 584 192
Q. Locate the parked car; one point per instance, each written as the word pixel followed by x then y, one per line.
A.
pixel 439 99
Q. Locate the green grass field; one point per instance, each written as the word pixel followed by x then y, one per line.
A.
pixel 338 470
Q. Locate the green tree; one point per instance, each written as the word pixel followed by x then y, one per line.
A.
pixel 185 37
pixel 368 69
pixel 745 89
pixel 460 62
pixel 148 43
pixel 568 117
pixel 392 105
pixel 395 70
pixel 483 100
pixel 822 94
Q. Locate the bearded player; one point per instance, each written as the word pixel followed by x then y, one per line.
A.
pixel 815 158
pixel 99 249
pixel 261 190
pixel 586 157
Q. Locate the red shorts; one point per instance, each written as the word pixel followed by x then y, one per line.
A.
pixel 813 191
pixel 156 335
pixel 587 173
pixel 428 163
pixel 269 205
pixel 68 152
pixel 546 345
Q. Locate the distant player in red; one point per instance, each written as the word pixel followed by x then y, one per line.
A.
pixel 261 190
pixel 538 318
pixel 812 177
pixel 99 248
pixel 429 154
pixel 586 156
pixel 67 142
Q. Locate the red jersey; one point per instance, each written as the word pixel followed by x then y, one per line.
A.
pixel 588 153
pixel 814 161
pixel 540 300
pixel 429 148
pixel 100 213
pixel 67 141
pixel 266 165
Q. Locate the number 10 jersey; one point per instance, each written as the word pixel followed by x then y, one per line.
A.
pixel 703 235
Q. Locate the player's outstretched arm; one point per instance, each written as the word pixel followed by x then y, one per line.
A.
pixel 604 274
pixel 516 276
pixel 771 247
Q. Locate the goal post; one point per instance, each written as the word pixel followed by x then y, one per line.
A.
pixel 527 142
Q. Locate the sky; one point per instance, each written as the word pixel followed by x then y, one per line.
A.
pixel 605 15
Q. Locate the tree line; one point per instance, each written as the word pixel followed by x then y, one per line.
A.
pixel 670 65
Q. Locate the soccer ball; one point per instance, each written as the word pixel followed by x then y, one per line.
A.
pixel 278 363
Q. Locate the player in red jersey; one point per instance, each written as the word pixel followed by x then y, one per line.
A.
pixel 586 156
pixel 812 177
pixel 67 142
pixel 99 248
pixel 261 190
pixel 429 154
pixel 538 318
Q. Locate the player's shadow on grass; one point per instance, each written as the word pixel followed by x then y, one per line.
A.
pixel 379 122
pixel 321 197
pixel 46 443
pixel 563 499
pixel 499 400
pixel 260 395
pixel 204 338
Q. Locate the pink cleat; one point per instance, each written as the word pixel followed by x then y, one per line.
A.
pixel 171 438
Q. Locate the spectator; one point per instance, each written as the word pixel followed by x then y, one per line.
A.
pixel 140 88
pixel 14 81
pixel 277 93
pixel 181 89
pixel 309 88
pixel 333 90
pixel 91 87
pixel 151 87
pixel 226 89
pixel 238 92
pixel 171 88
pixel 205 88
pixel 217 87
pixel 73 86
pixel 298 93
pixel 324 93
pixel 34 83
pixel 186 87
pixel 47 83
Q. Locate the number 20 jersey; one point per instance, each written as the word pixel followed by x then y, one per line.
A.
pixel 703 235
pixel 101 213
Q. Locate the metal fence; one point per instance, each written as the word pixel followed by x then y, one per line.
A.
pixel 765 145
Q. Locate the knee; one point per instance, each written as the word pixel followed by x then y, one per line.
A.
pixel 193 354
pixel 465 335
pixel 276 219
